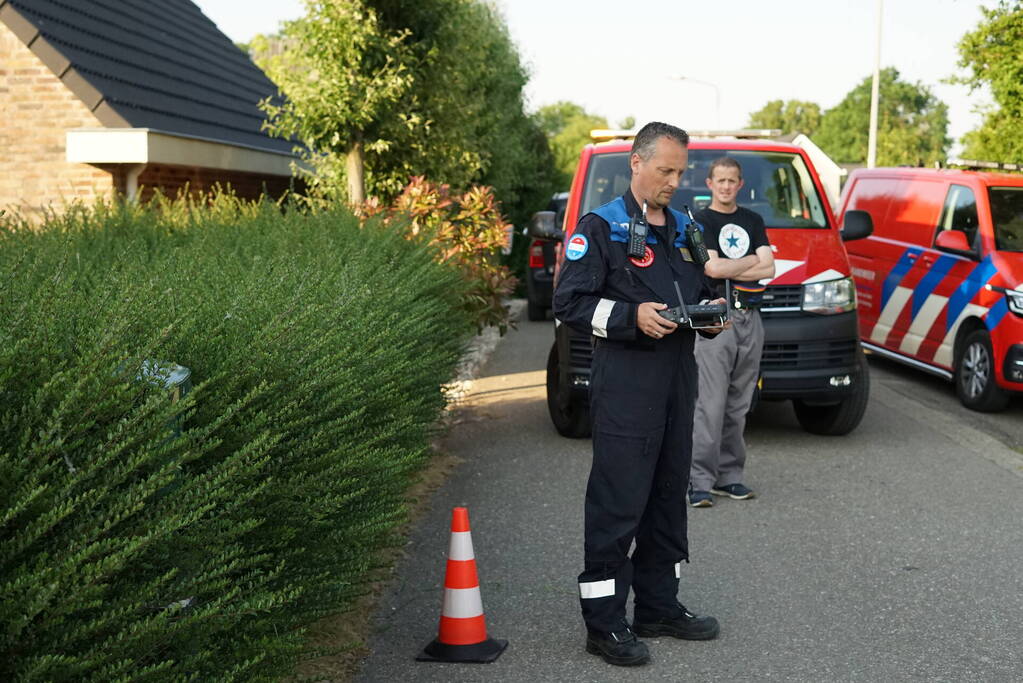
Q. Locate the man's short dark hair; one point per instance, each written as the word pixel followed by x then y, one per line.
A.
pixel 646 139
pixel 724 162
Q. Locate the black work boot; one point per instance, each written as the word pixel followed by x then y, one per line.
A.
pixel 686 626
pixel 620 648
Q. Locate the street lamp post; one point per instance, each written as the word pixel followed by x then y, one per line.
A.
pixel 874 94
pixel 717 95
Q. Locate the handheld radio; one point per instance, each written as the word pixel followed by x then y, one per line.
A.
pixel 694 238
pixel 638 230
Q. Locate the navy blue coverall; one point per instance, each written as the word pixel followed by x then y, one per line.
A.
pixel 642 398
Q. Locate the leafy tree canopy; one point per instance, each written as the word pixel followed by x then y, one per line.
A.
pixel 912 124
pixel 403 88
pixel 567 126
pixel 993 55
pixel 792 116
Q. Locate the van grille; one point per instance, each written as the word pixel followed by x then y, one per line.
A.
pixel 808 355
pixel 580 351
pixel 780 299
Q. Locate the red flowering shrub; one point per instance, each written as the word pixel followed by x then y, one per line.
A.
pixel 467 231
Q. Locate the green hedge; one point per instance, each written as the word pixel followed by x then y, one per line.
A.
pixel 144 538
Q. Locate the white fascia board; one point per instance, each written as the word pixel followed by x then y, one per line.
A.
pixel 147 146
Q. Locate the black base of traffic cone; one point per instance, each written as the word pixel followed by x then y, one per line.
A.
pixel 479 653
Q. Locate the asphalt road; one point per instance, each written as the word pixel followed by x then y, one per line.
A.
pixel 891 554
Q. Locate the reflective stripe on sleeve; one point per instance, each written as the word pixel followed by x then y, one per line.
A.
pixel 601 314
pixel 678 570
pixel 460 547
pixel 462 603
pixel 597 589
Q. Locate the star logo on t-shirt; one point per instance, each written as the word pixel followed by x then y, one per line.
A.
pixel 733 240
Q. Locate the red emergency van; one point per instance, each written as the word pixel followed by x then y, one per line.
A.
pixel 940 281
pixel 811 351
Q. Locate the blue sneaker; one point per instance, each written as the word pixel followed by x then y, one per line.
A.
pixel 734 491
pixel 701 499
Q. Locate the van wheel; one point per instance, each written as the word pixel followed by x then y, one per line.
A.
pixel 841 418
pixel 975 375
pixel 755 400
pixel 570 414
pixel 535 312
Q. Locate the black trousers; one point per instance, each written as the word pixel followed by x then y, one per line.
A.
pixel 642 401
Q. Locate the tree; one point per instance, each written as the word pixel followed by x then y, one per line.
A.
pixel 792 116
pixel 343 73
pixel 991 52
pixel 567 126
pixel 457 117
pixel 912 124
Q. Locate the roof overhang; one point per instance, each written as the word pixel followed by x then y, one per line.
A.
pixel 148 146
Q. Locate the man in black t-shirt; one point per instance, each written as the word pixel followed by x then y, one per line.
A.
pixel 730 367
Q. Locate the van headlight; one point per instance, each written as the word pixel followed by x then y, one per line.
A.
pixel 1014 298
pixel 833 296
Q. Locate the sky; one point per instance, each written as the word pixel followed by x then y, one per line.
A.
pixel 619 59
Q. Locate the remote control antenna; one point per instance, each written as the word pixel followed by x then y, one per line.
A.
pixel 681 302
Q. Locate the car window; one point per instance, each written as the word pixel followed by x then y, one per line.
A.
pixel 608 177
pixel 777 185
pixel 960 213
pixel 1007 214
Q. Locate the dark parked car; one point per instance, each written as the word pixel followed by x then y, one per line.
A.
pixel 540 269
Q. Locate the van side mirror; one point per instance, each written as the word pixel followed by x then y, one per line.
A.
pixel 543 227
pixel 954 242
pixel 856 225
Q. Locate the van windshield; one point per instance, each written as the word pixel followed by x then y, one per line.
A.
pixel 777 185
pixel 1007 215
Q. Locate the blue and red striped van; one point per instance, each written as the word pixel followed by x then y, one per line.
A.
pixel 939 283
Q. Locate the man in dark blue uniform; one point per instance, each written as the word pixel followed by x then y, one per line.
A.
pixel 642 397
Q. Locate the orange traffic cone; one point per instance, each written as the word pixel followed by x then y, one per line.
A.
pixel 462 636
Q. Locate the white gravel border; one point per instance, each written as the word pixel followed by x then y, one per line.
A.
pixel 476 356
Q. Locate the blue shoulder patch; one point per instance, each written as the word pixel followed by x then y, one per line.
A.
pixel 577 247
pixel 617 218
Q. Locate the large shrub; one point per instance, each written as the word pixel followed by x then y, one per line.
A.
pixel 147 538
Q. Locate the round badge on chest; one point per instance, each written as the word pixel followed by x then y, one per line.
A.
pixel 733 240
pixel 646 261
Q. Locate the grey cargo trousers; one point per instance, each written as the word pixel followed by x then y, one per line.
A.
pixel 728 370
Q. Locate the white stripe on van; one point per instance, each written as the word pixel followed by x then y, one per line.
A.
pixel 781 266
pixel 943 356
pixel 885 321
pixel 922 323
pixel 826 276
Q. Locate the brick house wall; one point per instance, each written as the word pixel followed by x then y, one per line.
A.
pixel 36 110
pixel 171 180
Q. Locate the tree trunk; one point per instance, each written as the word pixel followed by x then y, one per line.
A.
pixel 355 172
